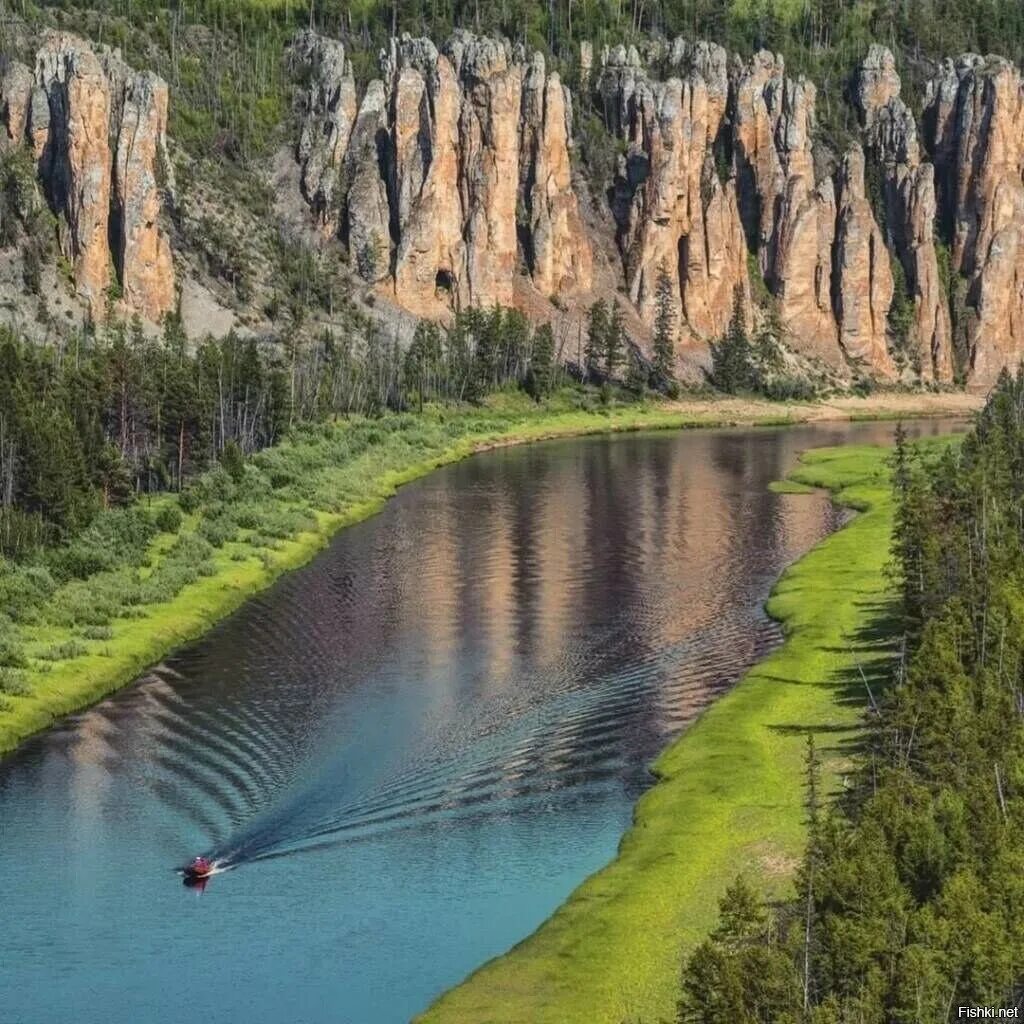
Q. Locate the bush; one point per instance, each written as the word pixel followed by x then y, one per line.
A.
pixel 789 389
pixel 190 549
pixel 64 652
pixel 189 500
pixel 97 633
pixel 113 538
pixel 233 461
pixel 247 516
pixel 167 582
pixel 285 523
pixel 168 519
pixel 93 603
pixel 22 591
pixel 261 540
pixel 218 531
pixel 12 682
pixel 216 486
pixel 11 653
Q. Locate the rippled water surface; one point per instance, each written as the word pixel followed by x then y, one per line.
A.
pixel 410 751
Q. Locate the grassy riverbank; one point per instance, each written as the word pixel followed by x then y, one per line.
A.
pixel 88 619
pixel 730 795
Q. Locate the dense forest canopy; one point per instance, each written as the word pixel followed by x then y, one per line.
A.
pixel 911 894
pixel 108 416
pixel 223 58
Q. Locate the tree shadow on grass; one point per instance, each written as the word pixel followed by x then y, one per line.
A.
pixel 870 655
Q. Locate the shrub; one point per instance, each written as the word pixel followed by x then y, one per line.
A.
pixel 189 500
pixel 11 653
pixel 114 537
pixel 218 531
pixel 284 523
pixel 22 591
pixel 93 603
pixel 64 651
pixel 233 461
pixel 191 549
pixel 12 682
pixel 168 519
pixel 261 540
pixel 247 516
pixel 789 389
pixel 167 582
pixel 96 633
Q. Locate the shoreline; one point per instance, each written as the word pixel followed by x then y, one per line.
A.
pixel 729 792
pixel 75 684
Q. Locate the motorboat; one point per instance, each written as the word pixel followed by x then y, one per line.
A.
pixel 197 868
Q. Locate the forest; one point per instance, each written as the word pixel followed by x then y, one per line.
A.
pixel 225 60
pixel 910 898
pixel 113 414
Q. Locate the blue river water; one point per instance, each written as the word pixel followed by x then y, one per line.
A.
pixel 407 753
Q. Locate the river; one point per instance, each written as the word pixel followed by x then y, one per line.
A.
pixel 410 751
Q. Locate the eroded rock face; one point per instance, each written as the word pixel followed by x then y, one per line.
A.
pixel 803 276
pixel 909 197
pixel 876 83
pixel 429 263
pixel 492 86
pixel 676 216
pixel 560 258
pixel 15 98
pixel 458 172
pixel 773 117
pixel 975 107
pixel 98 132
pixel 143 252
pixel 76 163
pixel 329 110
pixel 368 215
pixel 458 191
pixel 932 329
pixel 862 275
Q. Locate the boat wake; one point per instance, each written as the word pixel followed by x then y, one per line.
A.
pixel 578 740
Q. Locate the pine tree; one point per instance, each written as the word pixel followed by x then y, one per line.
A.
pixel 539 376
pixel 597 338
pixel 615 342
pixel 664 329
pixel 732 366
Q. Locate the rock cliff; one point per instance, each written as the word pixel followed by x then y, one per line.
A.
pixel 908 187
pixel 975 111
pixel 451 179
pixel 676 215
pixel 97 131
pixel 457 170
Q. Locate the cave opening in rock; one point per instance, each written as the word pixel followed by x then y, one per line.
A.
pixel 443 281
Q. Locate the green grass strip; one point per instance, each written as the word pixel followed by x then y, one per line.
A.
pixel 730 795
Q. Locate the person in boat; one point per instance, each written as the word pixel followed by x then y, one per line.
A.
pixel 199 867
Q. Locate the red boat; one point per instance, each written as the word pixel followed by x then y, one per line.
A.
pixel 198 868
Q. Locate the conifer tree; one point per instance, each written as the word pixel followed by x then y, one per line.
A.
pixel 665 329
pixel 731 357
pixel 615 342
pixel 598 323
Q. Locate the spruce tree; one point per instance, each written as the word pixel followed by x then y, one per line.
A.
pixel 664 329
pixel 597 338
pixel 542 362
pixel 732 366
pixel 615 342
